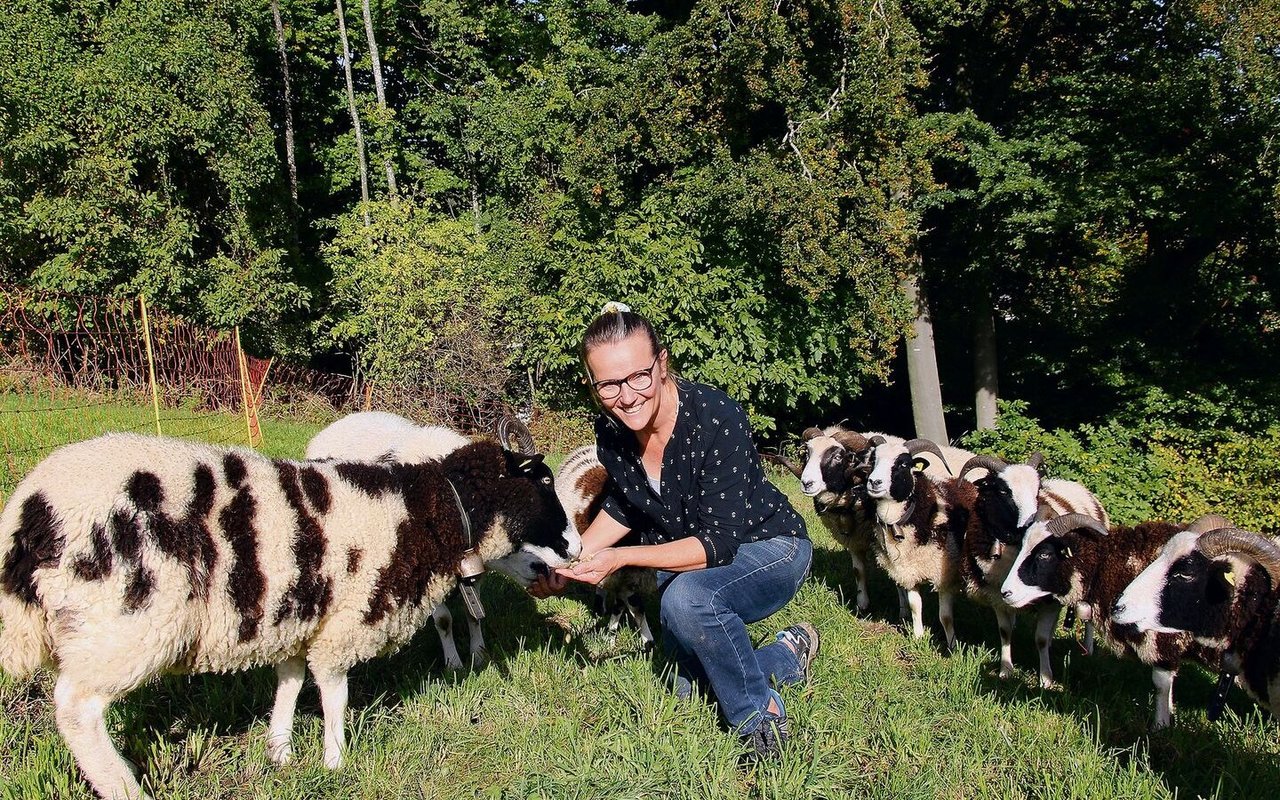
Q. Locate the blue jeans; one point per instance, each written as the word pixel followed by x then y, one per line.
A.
pixel 704 626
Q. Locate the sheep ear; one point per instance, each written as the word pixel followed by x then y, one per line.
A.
pixel 530 462
pixel 1067 551
pixel 920 463
pixel 1230 577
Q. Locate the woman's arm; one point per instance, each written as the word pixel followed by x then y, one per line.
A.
pixel 682 555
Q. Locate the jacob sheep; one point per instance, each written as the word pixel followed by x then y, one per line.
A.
pixel 126 556
pixel 580 484
pixel 1222 588
pixel 1079 562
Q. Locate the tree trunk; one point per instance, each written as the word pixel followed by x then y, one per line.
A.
pixel 985 371
pixel 922 368
pixel 288 103
pixel 351 103
pixel 376 60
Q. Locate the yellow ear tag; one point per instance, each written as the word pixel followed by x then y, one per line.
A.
pixel 1231 577
pixel 1068 552
pixel 525 464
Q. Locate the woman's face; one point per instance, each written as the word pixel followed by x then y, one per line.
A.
pixel 614 364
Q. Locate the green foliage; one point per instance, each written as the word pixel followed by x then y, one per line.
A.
pixel 1152 467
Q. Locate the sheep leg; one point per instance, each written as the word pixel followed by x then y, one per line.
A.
pixel 81 717
pixel 917 613
pixel 1045 624
pixel 444 627
pixel 904 605
pixel 479 653
pixel 333 699
pixel 946 615
pixel 1004 621
pixel 1088 637
pixel 1163 680
pixel 635 608
pixel 860 578
pixel 289 675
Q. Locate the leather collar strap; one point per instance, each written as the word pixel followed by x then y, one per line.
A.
pixel 462 513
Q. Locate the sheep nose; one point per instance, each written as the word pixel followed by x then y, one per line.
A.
pixel 874 483
pixel 1117 609
pixel 1006 594
pixel 807 485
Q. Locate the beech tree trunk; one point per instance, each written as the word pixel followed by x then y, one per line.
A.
pixel 922 369
pixel 351 103
pixel 376 61
pixel 985 371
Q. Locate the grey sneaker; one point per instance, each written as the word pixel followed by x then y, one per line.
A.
pixel 765 743
pixel 804 640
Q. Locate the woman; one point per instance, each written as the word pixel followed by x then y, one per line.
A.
pixel 728 546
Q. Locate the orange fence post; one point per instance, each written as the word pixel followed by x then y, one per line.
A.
pixel 244 388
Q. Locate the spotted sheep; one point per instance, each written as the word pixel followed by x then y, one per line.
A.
pixel 379 436
pixel 1077 561
pixel 1222 588
pixel 126 556
pixel 1010 498
pixel 580 484
pixel 834 473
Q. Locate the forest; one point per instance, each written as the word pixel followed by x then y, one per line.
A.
pixel 1079 202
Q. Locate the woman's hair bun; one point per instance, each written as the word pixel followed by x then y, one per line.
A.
pixel 614 307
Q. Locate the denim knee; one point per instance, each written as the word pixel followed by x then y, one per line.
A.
pixel 684 609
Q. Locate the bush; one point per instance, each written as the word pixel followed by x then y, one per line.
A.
pixel 1151 467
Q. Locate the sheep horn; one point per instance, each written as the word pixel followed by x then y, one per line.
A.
pixel 1069 522
pixel 876 441
pixel 1036 461
pixel 810 433
pixel 851 440
pixel 915 446
pixel 989 463
pixel 782 461
pixel 1234 541
pixel 1209 522
pixel 515 435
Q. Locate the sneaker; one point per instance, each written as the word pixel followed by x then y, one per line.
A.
pixel 803 639
pixel 765 743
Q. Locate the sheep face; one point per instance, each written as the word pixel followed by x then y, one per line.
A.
pixel 1182 590
pixel 533 519
pixel 892 472
pixel 1042 568
pixel 1007 502
pixel 827 467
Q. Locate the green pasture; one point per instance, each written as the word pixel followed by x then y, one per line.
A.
pixel 567 711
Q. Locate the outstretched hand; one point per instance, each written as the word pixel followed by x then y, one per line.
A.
pixel 592 568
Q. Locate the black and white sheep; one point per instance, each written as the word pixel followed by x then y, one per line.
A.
pixel 126 556
pixel 1079 562
pixel 1221 587
pixel 580 484
pixel 387 438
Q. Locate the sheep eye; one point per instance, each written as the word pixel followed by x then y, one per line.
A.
pixel 546 481
pixel 1180 576
pixel 1043 556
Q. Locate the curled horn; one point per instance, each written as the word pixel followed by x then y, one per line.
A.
pixel 989 463
pixel 851 440
pixel 515 435
pixel 916 446
pixel 876 441
pixel 782 461
pixel 810 433
pixel 1036 461
pixel 1233 541
pixel 1209 522
pixel 1069 522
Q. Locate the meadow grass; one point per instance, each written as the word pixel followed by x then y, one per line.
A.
pixel 566 710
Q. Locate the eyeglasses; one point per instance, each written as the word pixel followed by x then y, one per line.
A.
pixel 638 381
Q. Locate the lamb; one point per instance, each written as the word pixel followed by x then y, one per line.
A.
pixel 580 484
pixel 126 556
pixel 1078 561
pixel 1222 588
pixel 383 437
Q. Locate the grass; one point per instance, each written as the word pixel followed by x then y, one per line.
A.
pixel 566 710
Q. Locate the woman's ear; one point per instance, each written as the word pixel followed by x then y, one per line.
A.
pixel 662 362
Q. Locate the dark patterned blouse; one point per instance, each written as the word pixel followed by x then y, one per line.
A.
pixel 713 486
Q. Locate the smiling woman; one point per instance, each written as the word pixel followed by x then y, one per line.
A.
pixel 685 477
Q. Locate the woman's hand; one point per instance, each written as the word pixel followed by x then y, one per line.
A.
pixel 593 568
pixel 548 585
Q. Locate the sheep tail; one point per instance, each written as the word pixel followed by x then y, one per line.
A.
pixel 24 639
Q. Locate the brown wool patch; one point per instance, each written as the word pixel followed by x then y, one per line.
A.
pixel 141 583
pixel 126 535
pixel 590 485
pixel 144 491
pixel 372 479
pixel 309 596
pixel 354 554
pixel 96 564
pixel 37 543
pixel 316 486
pixel 246 583
pixel 234 469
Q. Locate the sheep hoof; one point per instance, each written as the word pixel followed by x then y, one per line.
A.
pixel 480 659
pixel 1048 683
pixel 1006 673
pixel 333 761
pixel 452 666
pixel 280 753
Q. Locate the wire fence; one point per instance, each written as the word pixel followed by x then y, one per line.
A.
pixel 72 367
